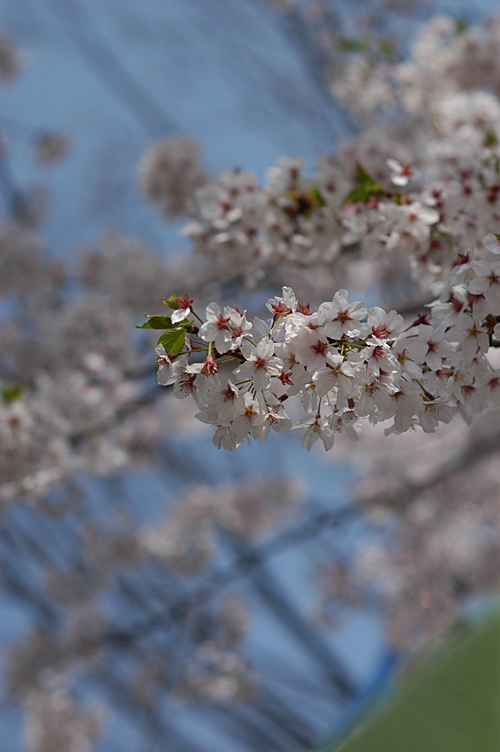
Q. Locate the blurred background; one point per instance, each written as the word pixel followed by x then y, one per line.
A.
pixel 157 594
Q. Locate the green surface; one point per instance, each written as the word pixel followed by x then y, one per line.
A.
pixel 450 704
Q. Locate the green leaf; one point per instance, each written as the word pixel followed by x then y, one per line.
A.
pixel 490 137
pixel 387 47
pixel 173 340
pixel 368 187
pixel 11 394
pixel 316 197
pixel 172 301
pixel 156 322
pixel 363 175
pixel 364 192
pixel 353 44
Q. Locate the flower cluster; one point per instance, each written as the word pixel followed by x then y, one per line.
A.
pixel 169 172
pixel 338 364
pixel 409 190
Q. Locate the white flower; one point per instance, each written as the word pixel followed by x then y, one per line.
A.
pixel 346 421
pixel 261 327
pixel 282 306
pixel 164 366
pixel 246 423
pixel 311 348
pixel 417 213
pixel 223 436
pixel 433 414
pixel 384 325
pixel 225 397
pixel 492 388
pixel 409 351
pixel 437 346
pixel 260 364
pixel 449 306
pixel 336 374
pixel 401 173
pixel 379 358
pixel 286 172
pixel 405 404
pixel 274 418
pixel 183 311
pixel 185 377
pixel 344 316
pixel 317 428
pixel 374 397
pixel 217 327
pixel 492 243
pixel 470 336
pixel 487 282
pixel 473 399
pixel 239 327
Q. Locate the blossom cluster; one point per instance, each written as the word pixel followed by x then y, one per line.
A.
pixel 169 172
pixel 342 363
pixel 411 189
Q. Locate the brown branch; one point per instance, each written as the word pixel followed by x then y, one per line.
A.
pixel 238 569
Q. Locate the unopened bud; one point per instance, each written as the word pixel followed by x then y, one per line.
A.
pixel 172 302
pixel 209 366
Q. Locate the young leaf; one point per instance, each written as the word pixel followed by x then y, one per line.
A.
pixel 173 340
pixel 490 137
pixel 316 197
pixel 368 186
pixel 156 322
pixel 362 174
pixel 364 192
pixel 353 44
pixel 172 301
pixel 11 394
pixel 387 47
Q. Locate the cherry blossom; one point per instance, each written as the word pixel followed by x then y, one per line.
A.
pixel 402 173
pixel 260 364
pixel 335 361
